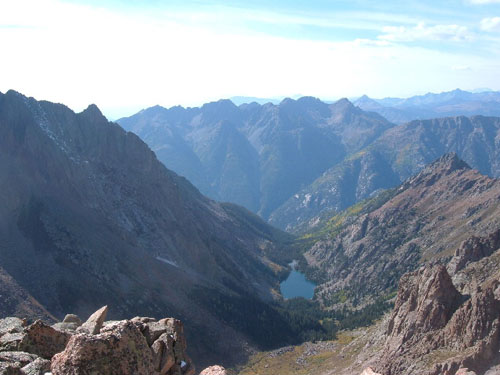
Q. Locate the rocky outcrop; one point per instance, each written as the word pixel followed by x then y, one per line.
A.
pixel 138 346
pixel 119 348
pixel 435 330
pixel 473 248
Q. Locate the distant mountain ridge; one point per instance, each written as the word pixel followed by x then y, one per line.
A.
pixel 396 155
pixel 290 162
pixel 255 155
pixel 431 105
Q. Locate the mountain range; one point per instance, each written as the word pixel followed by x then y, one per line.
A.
pixel 293 161
pixel 90 216
pixel 430 105
pixel 255 155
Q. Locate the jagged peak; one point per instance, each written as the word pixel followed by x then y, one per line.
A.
pixel 220 104
pixel 449 162
pixel 444 166
pixel 93 111
pixel 343 105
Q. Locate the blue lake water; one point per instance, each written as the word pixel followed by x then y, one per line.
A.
pixel 296 285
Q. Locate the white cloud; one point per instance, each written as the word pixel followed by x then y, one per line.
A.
pixel 461 67
pixel 490 24
pixel 78 55
pixel 484 1
pixel 423 32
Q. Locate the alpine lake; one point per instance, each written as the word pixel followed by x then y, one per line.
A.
pixel 296 285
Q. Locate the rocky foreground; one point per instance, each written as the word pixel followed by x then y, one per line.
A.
pixel 136 346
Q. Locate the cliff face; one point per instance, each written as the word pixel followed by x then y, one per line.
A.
pixel 434 329
pixel 89 216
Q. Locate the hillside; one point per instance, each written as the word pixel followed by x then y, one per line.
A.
pixel 359 256
pixel 89 216
pixel 431 248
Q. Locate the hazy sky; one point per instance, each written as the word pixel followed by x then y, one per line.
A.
pixel 127 55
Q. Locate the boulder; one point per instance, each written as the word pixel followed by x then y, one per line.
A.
pixel 72 318
pixel 43 340
pixel 11 325
pixel 39 366
pixel 168 343
pixel 11 341
pixel 94 323
pixel 163 353
pixel 21 358
pixel 7 368
pixel 214 370
pixel 120 349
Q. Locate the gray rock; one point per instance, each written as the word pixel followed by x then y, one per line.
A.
pixel 39 366
pixel 20 357
pixel 65 327
pixel 95 322
pixel 72 318
pixel 11 325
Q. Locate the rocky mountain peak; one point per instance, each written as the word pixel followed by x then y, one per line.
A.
pixel 342 105
pixel 444 166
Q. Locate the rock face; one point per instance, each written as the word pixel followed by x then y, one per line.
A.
pixel 434 329
pixel 426 301
pixel 137 346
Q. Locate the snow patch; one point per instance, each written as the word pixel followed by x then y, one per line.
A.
pixel 164 260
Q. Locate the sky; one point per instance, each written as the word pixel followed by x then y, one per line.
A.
pixel 128 55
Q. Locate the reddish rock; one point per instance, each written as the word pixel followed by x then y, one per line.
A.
pixel 120 349
pixel 163 353
pixel 426 301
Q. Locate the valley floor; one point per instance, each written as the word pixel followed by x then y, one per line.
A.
pixel 345 355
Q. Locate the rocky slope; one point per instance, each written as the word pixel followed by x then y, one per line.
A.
pixel 360 255
pixel 89 216
pixel 396 155
pixel 440 325
pixel 255 155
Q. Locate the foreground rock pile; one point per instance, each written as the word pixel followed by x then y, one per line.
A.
pixel 136 346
